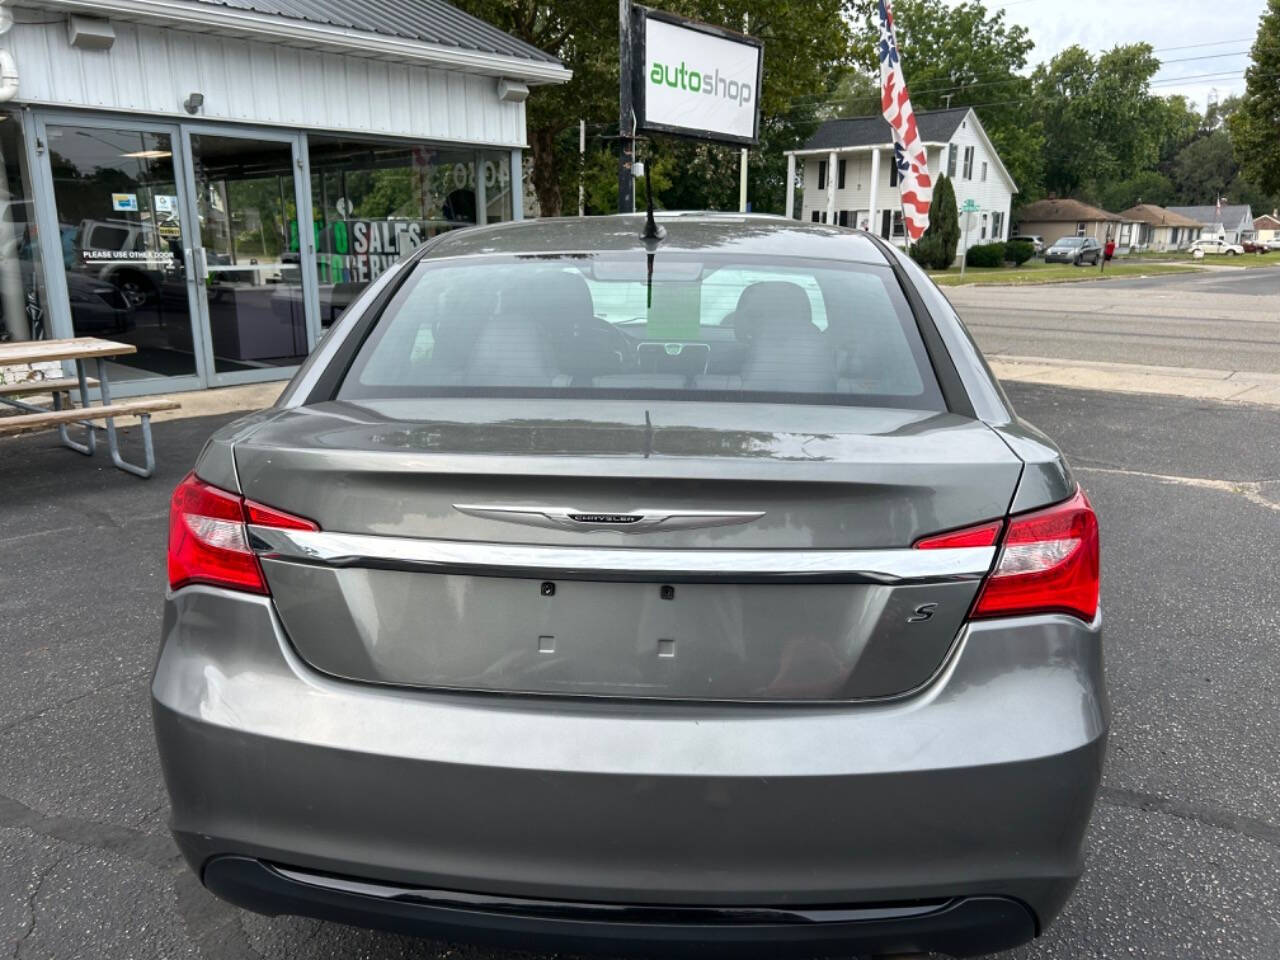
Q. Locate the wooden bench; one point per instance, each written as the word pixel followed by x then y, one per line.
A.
pixel 141 408
pixel 27 388
pixel 22 422
pixel 79 350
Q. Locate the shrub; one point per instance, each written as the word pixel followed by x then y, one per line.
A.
pixel 1019 252
pixel 927 252
pixel 986 255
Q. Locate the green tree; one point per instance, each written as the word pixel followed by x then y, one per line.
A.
pixel 584 35
pixel 937 248
pixel 1100 119
pixel 1204 169
pixel 1147 186
pixel 1255 127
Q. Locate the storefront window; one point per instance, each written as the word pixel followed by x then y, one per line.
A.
pixel 123 239
pixel 376 202
pixel 23 310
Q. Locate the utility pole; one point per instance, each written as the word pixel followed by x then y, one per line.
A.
pixel 582 168
pixel 626 113
pixel 742 184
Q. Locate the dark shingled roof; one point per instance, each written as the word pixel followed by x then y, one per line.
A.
pixel 427 21
pixel 935 126
pixel 1052 210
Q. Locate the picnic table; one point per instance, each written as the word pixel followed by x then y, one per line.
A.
pixel 80 350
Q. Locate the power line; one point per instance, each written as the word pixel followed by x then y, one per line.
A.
pixel 1016 78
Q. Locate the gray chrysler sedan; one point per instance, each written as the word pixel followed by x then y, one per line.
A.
pixel 678 591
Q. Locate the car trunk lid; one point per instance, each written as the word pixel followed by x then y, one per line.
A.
pixel 721 551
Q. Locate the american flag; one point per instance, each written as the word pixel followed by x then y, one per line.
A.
pixel 908 152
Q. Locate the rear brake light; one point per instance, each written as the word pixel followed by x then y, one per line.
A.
pixel 984 535
pixel 208 539
pixel 1048 563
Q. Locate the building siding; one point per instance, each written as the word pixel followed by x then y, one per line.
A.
pixel 153 69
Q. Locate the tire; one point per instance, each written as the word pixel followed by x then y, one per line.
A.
pixel 1233 253
pixel 137 290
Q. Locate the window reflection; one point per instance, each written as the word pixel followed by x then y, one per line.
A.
pixel 123 239
pixel 23 310
pixel 377 202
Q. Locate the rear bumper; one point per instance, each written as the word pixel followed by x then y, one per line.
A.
pixel 980 787
pixel 963 927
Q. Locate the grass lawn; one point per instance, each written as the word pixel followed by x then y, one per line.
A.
pixel 1039 272
pixel 1248 261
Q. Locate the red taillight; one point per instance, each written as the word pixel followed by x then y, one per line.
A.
pixel 985 535
pixel 208 542
pixel 1048 563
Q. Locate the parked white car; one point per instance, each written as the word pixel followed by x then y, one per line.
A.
pixel 1215 246
pixel 1037 242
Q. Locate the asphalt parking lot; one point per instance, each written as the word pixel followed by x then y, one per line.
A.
pixel 1184 855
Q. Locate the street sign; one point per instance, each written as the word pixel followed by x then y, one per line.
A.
pixel 969 206
pixel 695 80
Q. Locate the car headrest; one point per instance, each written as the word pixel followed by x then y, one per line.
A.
pixel 552 297
pixel 777 304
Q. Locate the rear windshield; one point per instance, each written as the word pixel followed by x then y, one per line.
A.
pixel 680 327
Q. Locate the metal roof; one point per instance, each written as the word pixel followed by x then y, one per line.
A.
pixel 934 126
pixel 1209 216
pixel 426 21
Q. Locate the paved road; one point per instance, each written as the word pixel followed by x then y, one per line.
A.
pixel 1184 858
pixel 1227 320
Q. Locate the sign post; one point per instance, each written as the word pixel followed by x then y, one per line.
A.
pixel 626 110
pixel 683 78
pixel 969 208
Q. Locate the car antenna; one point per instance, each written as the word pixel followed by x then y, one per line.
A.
pixel 651 229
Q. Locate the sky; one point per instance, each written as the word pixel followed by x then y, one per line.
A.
pixel 1217 33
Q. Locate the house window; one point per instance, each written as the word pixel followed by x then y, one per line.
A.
pixel 899 228
pixel 952 152
pixel 997 225
pixel 816 215
pixel 968 163
pixel 1176 235
pixel 1079 229
pixel 984 226
pixel 843 219
pixel 822 174
pixel 984 171
pixel 840 175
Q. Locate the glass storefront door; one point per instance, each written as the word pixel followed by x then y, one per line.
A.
pixel 123 237
pixel 249 254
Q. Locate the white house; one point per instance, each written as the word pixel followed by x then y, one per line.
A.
pixel 849 177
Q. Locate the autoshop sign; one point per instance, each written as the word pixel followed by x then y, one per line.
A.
pixel 695 80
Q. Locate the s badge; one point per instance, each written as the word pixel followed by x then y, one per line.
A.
pixel 922 613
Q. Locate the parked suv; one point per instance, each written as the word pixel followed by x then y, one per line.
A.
pixel 603 588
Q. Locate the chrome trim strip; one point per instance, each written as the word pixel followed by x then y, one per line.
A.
pixel 630 521
pixel 620 563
